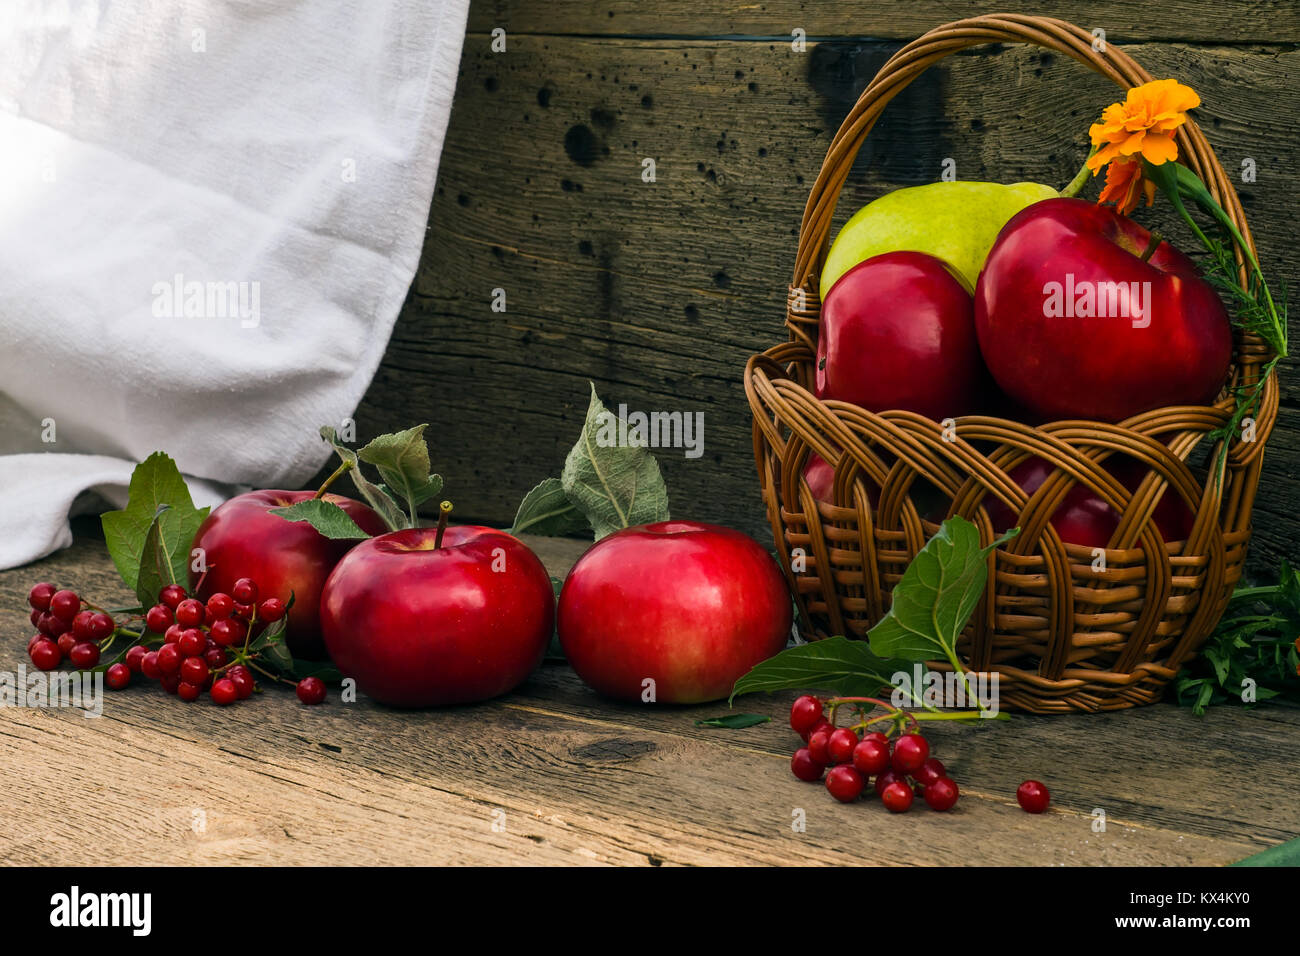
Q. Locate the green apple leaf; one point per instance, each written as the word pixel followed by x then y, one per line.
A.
pixel 325 516
pixel 547 510
pixel 837 664
pixel 402 460
pixel 160 505
pixel 382 503
pixel 937 595
pixel 614 485
pixel 734 721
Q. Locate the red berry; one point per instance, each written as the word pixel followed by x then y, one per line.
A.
pixel 101 626
pixel 224 692
pixel 173 634
pixel 170 682
pixel 31 641
pixel 81 625
pixel 215 657
pixel 149 666
pixel 135 658
pixel 243 680
pixel 311 690
pixel 171 596
pixel 39 596
pixel 169 658
pixel 187 691
pixel 158 618
pixel 117 676
pixel 46 655
pixel 909 753
pixel 67 641
pixel 190 613
pixel 871 756
pixel 818 742
pixel 192 641
pixel 804 767
pixel 243 612
pixel 805 712
pixel 228 631
pixel 64 605
pixel 929 772
pixel 270 610
pixel 822 722
pixel 36 616
pixel 840 745
pixel 1033 797
pixel 194 670
pixel 84 656
pixel 845 783
pixel 941 794
pixel 220 606
pixel 244 591
pixel 896 797
pixel 885 779
pixel 51 626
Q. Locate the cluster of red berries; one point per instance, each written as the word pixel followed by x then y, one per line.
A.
pixel 903 768
pixel 194 653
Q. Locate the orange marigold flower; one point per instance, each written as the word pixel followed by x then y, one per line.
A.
pixel 1143 125
pixel 1124 184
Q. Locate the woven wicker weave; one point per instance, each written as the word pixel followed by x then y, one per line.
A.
pixel 1063 637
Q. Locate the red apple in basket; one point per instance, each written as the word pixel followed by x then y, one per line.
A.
pixel 898 332
pixel 1082 517
pixel 242 539
pixel 679 609
pixel 420 622
pixel 1073 323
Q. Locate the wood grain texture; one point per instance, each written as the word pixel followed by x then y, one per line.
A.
pixel 567 778
pixel 1231 22
pixel 659 291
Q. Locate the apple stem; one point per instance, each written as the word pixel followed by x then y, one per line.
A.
pixel 338 472
pixel 444 509
pixel 1156 239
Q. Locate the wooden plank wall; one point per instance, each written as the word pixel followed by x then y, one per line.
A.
pixel 659 291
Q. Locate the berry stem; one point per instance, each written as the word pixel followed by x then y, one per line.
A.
pixel 444 510
pixel 339 472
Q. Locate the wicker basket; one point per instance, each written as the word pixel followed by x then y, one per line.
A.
pixel 1063 636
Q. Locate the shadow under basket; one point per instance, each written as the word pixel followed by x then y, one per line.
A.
pixel 1066 628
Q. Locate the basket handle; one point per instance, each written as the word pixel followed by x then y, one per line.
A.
pixel 913 59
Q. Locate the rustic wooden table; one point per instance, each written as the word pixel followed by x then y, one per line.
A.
pixel 554 774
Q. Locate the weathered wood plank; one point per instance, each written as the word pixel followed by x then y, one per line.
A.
pixel 1269 22
pixel 568 778
pixel 659 291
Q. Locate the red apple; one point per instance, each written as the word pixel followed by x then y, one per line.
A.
pixel 898 332
pixel 1074 324
pixel 422 625
pixel 242 539
pixel 1082 517
pixel 689 606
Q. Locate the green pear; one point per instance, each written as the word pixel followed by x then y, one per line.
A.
pixel 952 220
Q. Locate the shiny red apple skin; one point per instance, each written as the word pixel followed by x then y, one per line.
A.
pixel 242 539
pixel 1082 517
pixel 1101 368
pixel 419 626
pixel 691 606
pixel 898 332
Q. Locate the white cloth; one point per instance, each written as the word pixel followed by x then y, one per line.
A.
pixel 280 152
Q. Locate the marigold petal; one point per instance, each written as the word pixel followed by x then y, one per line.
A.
pixel 1157 148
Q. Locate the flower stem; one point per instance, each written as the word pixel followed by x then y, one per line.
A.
pixel 1073 187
